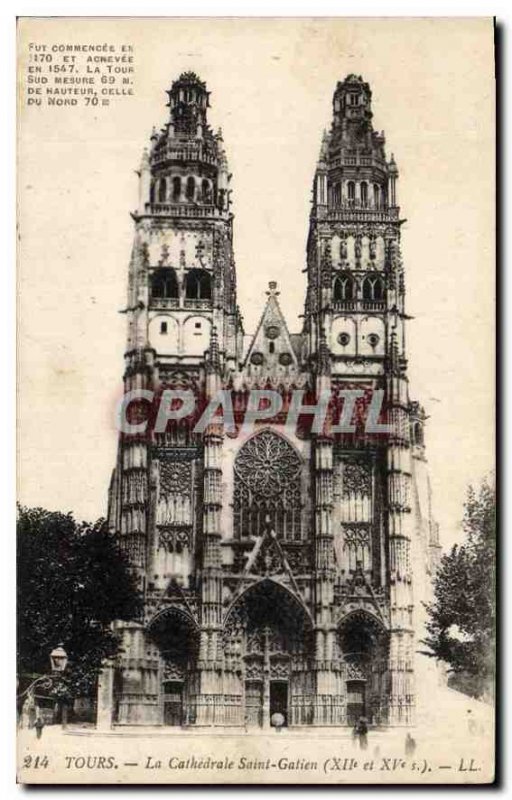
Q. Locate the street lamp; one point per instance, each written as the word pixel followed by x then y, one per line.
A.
pixel 58 659
pixel 58 662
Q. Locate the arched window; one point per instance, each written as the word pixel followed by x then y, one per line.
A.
pixel 376 195
pixel 417 434
pixel 336 194
pixel 152 192
pixel 351 191
pixel 198 285
pixel 191 188
pixel 343 288
pixel 176 188
pixel 267 493
pixel 206 191
pixel 378 289
pixel 164 283
pixel 364 193
pixel 162 190
pixel 373 288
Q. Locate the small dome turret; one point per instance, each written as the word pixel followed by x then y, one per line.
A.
pixel 187 160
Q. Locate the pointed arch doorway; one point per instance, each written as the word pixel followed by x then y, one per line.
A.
pixel 363 643
pixel 268 631
pixel 176 635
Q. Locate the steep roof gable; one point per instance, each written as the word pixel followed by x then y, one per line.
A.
pixel 271 350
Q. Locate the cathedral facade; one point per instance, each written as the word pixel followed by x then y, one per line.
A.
pixel 283 568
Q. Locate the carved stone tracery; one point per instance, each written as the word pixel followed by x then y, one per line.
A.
pixel 174 539
pixel 267 623
pixel 267 487
pixel 267 464
pixel 357 478
pixel 175 496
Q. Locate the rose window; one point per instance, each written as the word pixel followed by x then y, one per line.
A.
pixel 267 487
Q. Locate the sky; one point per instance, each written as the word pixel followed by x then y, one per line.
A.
pixel 271 84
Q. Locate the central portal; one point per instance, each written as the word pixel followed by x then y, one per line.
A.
pixel 268 649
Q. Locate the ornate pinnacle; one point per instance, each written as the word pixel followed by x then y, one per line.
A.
pixel 393 351
pixel 190 76
pixel 223 162
pixel 213 360
pixel 144 162
pixel 324 357
pixel 324 149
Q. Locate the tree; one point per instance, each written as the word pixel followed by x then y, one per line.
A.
pixel 73 581
pixel 461 619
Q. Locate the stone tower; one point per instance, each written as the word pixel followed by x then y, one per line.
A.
pixel 355 304
pixel 282 568
pixel 181 302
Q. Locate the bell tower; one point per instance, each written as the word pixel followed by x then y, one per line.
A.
pixel 182 277
pixel 354 330
pixel 181 298
pixel 184 332
pixel 354 235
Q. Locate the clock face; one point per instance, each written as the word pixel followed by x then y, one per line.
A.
pixel 272 332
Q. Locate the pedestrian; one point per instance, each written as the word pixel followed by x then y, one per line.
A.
pixel 355 734
pixel 39 725
pixel 471 723
pixel 277 721
pixel 410 745
pixel 363 733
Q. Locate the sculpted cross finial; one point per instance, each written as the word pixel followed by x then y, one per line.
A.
pixel 272 289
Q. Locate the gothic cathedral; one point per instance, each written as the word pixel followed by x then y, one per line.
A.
pixel 283 570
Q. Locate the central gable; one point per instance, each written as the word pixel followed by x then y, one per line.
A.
pixel 271 352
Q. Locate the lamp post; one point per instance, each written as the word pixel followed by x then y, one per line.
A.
pixel 58 663
pixel 58 659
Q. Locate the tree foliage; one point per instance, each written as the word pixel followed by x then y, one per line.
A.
pixel 461 619
pixel 73 581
